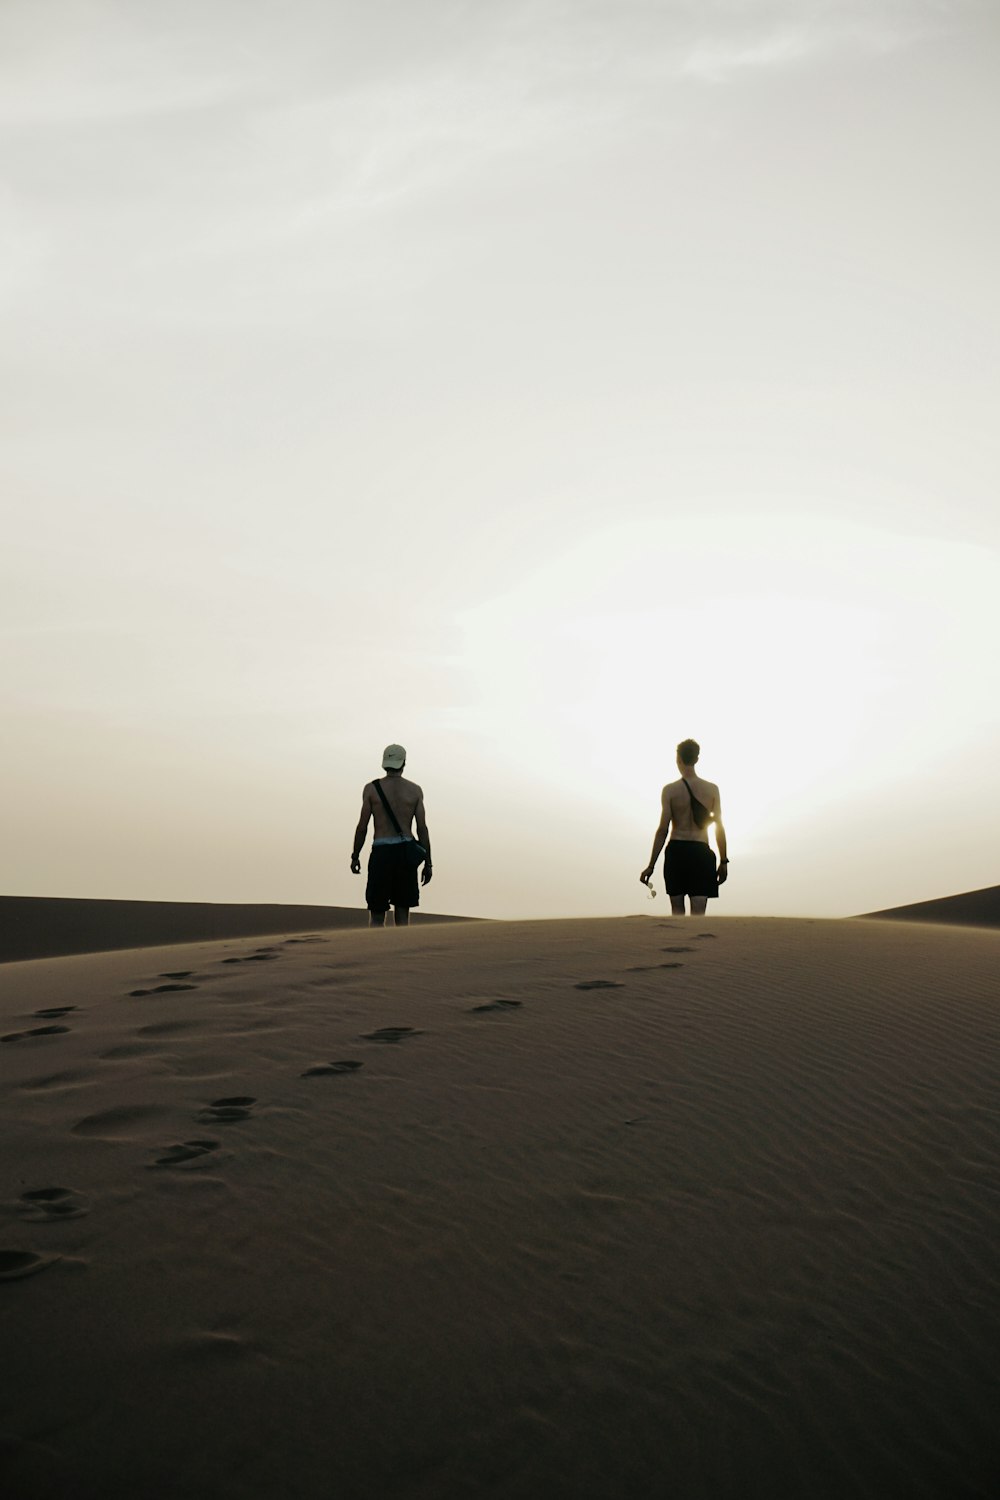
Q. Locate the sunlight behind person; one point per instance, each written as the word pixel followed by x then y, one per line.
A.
pixel 776 638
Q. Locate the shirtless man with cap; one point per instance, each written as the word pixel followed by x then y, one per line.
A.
pixel 690 805
pixel 392 879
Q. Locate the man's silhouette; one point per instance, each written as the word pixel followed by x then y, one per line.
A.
pixel 392 877
pixel 689 805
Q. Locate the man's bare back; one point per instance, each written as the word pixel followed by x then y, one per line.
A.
pixel 675 797
pixel 404 797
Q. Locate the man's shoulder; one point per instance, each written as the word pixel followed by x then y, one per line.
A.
pixel 407 787
pixel 682 781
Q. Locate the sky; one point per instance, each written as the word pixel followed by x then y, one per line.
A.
pixel 532 383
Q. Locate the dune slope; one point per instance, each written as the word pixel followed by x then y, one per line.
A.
pixel 970 909
pixel 571 1209
pixel 52 926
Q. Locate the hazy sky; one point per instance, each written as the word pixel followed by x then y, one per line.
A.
pixel 535 384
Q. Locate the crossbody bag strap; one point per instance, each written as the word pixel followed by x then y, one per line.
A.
pixel 385 803
pixel 709 816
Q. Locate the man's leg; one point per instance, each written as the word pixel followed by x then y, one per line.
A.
pixel 677 906
pixel 377 892
pixel 699 905
pixel 402 914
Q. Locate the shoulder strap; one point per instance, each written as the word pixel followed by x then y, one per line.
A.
pixel 708 816
pixel 385 803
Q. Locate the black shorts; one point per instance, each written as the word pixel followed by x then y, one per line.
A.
pixel 689 869
pixel 392 880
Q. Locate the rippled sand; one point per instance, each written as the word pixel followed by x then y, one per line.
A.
pixel 703 1208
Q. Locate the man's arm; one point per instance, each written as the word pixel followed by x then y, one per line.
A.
pixel 361 830
pixel 660 837
pixel 720 835
pixel 423 837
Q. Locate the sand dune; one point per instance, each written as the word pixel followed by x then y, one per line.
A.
pixel 971 909
pixel 568 1209
pixel 48 926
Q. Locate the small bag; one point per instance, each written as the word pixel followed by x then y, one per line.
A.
pixel 699 812
pixel 414 853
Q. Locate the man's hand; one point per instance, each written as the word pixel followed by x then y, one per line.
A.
pixel 647 872
pixel 426 872
pixel 723 873
pixel 355 865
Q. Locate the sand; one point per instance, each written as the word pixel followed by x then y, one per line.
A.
pixel 971 909
pixel 48 926
pixel 629 1208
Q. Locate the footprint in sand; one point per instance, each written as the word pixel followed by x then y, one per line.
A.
pixel 390 1034
pixel 184 1151
pixel 249 958
pixel 53 1011
pixel 14 1264
pixel 706 934
pixel 646 968
pixel 163 989
pixel 212 1346
pixel 677 948
pixel 68 1078
pixel 325 1070
pixel 169 1028
pixel 599 984
pixel 228 1111
pixel 119 1122
pixel 177 974
pixel 498 1005
pixel 52 1203
pixel 20 1036
pixel 128 1049
pixel 312 938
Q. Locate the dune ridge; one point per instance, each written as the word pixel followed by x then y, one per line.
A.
pixel 970 909
pixel 53 926
pixel 574 1209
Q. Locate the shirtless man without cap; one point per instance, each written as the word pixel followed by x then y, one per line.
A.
pixel 392 879
pixel 689 864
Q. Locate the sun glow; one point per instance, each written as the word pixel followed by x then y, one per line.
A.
pixel 770 644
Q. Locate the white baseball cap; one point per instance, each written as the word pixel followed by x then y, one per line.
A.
pixel 393 758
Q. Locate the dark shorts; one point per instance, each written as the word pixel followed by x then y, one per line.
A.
pixel 689 869
pixel 392 880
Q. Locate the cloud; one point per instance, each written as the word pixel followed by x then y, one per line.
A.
pixel 63 61
pixel 58 66
pixel 759 37
pixel 25 249
pixel 212 163
pixel 714 61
